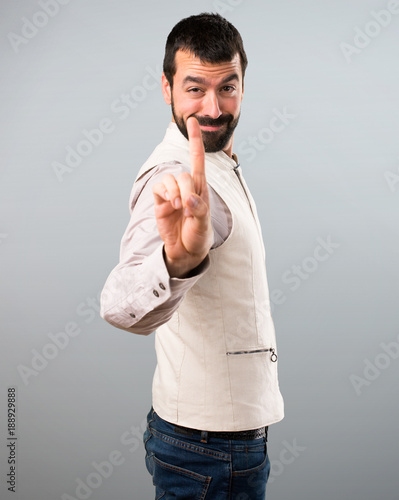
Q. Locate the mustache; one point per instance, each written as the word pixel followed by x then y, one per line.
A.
pixel 214 122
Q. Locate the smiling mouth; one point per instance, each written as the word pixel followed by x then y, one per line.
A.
pixel 210 128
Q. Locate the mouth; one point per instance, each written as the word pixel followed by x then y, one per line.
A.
pixel 210 128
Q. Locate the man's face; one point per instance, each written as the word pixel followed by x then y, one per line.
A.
pixel 210 92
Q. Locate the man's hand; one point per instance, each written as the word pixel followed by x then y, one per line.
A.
pixel 182 211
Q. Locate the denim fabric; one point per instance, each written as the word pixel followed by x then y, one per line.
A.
pixel 186 468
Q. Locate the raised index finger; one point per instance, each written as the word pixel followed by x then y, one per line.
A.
pixel 197 154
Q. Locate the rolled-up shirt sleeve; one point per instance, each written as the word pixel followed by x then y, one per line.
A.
pixel 139 295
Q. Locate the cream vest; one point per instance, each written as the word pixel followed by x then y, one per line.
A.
pixel 216 357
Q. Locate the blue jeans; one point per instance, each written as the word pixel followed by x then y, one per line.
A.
pixel 219 469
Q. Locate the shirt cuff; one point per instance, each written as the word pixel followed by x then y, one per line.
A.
pixel 151 287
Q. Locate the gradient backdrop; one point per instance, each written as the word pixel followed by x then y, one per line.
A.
pixel 81 109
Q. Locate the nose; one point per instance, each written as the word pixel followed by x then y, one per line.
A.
pixel 211 106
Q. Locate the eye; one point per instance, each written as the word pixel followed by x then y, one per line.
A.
pixel 194 90
pixel 228 89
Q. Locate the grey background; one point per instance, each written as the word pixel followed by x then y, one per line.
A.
pixel 326 174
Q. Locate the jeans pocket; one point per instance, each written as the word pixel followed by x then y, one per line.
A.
pixel 250 483
pixel 175 482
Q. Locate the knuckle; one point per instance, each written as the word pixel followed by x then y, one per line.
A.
pixel 184 177
pixel 168 178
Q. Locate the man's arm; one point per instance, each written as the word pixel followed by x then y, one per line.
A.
pixel 139 294
pixel 141 297
pixel 133 298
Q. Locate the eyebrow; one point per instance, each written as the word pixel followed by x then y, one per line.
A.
pixel 202 81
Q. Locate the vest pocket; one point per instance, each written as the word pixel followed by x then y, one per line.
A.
pixel 272 350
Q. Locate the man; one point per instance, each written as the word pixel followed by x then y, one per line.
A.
pixel 192 266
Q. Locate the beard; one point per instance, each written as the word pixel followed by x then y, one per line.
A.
pixel 214 141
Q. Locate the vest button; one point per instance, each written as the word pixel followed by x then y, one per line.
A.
pixel 155 293
pixel 132 315
pixel 161 286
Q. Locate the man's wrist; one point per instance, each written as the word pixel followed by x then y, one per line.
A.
pixel 183 269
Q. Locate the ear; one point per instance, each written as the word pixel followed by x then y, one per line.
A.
pixel 166 90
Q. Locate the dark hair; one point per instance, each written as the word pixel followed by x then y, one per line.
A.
pixel 210 37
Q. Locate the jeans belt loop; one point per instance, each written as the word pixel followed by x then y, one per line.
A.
pixel 204 436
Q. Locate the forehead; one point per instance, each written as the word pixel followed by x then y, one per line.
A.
pixel 188 64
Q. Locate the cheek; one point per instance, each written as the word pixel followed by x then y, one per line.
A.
pixel 237 105
pixel 190 107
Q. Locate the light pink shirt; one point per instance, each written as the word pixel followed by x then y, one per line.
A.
pixel 139 294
